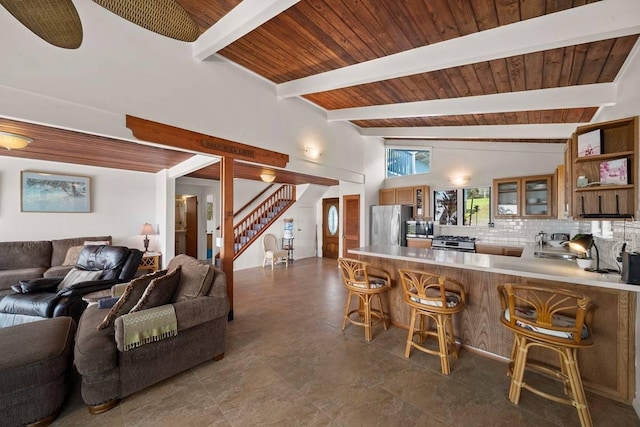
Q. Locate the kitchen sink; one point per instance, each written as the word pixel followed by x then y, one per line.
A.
pixel 555 255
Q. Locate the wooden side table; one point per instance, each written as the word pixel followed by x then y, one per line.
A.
pixel 150 261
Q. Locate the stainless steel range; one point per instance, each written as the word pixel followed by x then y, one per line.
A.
pixel 454 243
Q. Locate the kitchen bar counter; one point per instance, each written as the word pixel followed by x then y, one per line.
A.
pixel 526 265
pixel 608 367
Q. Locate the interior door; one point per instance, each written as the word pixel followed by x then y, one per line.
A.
pixel 350 223
pixel 192 227
pixel 330 221
pixel 306 243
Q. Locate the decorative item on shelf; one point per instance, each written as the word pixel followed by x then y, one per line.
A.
pixel 13 141
pixel 614 172
pixel 590 143
pixel 582 182
pixel 147 229
pixel 582 243
pixel 268 175
pixel 288 228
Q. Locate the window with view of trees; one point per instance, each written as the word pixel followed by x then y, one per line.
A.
pixel 446 207
pixel 408 161
pixel 477 205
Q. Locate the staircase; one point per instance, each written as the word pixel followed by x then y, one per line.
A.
pixel 257 221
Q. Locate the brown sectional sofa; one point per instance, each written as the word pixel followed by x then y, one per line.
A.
pixel 110 372
pixel 33 259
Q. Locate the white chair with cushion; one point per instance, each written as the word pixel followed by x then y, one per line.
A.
pixel 437 298
pixel 272 253
pixel 554 319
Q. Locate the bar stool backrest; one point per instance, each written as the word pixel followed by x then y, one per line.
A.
pixel 421 288
pixel 354 273
pixel 555 315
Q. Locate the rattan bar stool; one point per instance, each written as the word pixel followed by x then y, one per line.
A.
pixel 358 279
pixel 553 319
pixel 432 297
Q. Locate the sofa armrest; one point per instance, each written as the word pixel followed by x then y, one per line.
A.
pixel 41 284
pixel 83 288
pixel 200 310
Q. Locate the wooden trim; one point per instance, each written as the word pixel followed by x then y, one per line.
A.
pixel 159 133
pixel 246 205
pixel 226 252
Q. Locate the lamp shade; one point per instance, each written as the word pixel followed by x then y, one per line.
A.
pixel 147 229
pixel 267 176
pixel 13 140
pixel 581 243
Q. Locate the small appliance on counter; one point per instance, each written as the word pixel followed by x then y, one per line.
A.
pixel 631 268
pixel 419 228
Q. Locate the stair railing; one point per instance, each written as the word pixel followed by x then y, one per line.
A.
pixel 249 228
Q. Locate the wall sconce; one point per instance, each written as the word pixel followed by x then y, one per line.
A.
pixel 459 180
pixel 13 141
pixel 312 152
pixel 268 176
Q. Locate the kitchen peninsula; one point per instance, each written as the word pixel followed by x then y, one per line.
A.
pixel 607 368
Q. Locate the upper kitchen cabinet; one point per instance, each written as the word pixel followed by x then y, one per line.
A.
pixel 529 197
pixel 605 169
pixel 418 197
pixel 404 196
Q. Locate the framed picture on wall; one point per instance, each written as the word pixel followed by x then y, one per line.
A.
pixel 46 192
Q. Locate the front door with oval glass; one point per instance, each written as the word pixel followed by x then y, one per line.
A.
pixel 330 221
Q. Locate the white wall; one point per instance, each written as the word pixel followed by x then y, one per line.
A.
pixel 121 202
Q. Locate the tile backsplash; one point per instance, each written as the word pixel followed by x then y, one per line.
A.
pixel 521 232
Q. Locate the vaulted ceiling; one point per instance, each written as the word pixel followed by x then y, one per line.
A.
pixel 479 70
pixel 439 69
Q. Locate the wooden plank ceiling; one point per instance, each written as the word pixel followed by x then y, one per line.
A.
pixel 65 146
pixel 317 36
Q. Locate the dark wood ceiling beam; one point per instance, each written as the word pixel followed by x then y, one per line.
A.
pixel 159 133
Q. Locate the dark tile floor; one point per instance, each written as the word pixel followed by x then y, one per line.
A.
pixel 288 363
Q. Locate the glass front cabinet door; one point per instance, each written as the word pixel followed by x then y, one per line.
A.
pixel 537 196
pixel 507 198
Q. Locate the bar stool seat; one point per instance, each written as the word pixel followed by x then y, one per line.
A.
pixel 367 283
pixel 553 319
pixel 432 297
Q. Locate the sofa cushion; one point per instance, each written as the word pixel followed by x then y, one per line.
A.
pixel 11 277
pixel 159 292
pixel 58 271
pixel 44 358
pixel 39 304
pixel 17 255
pixel 60 247
pixel 130 297
pixel 95 350
pixel 195 277
pixel 77 275
pixel 72 255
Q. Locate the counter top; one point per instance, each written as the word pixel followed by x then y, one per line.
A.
pixel 525 266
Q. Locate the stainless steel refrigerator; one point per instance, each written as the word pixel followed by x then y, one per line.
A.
pixel 389 224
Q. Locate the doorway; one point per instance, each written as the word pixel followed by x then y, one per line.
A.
pixel 350 223
pixel 330 221
pixel 187 226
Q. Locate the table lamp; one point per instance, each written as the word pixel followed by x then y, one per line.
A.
pixel 146 230
pixel 582 243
